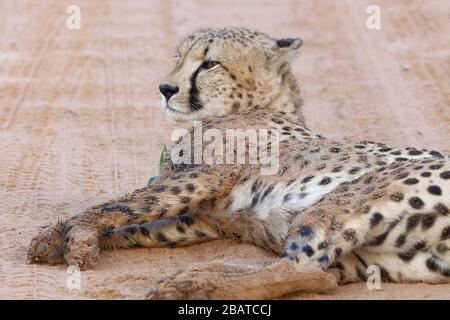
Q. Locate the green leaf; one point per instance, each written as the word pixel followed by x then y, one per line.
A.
pixel 150 181
pixel 131 241
pixel 162 163
pixel 162 157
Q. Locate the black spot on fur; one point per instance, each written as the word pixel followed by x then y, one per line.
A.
pixel 441 209
pixel 397 196
pixel 432 265
pixel 335 150
pixel 408 255
pixel 185 200
pixel 160 237
pixel 445 175
pixel 190 188
pixel 382 237
pixel 411 181
pixel 118 207
pixel 187 220
pixel 144 231
pixel 308 250
pixel 361 275
pixel 337 169
pixel 131 230
pixel 354 170
pixel 400 241
pixel 385 276
pixel 307 179
pixel 325 181
pixel 305 231
pixel 323 259
pixel 412 222
pixel 401 175
pixel 445 233
pixel 180 228
pixel 254 200
pixel 256 185
pixel 160 188
pixel 302 195
pixel 349 235
pixel 436 154
pixel 416 203
pixel 199 234
pixel 267 192
pixel 376 219
pixel 278 120
pixel 183 211
pixel 323 245
pixel 287 197
pixel 321 166
pixel 426 174
pixel 193 175
pixel 415 152
pixel 428 220
pixel 175 190
pixel 435 190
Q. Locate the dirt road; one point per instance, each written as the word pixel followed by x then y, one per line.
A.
pixel 80 121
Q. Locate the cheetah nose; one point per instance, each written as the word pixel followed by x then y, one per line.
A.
pixel 167 90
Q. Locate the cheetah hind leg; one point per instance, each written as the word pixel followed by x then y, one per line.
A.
pixel 169 232
pixel 220 281
pixel 432 265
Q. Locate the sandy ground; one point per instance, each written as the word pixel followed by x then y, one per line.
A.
pixel 80 121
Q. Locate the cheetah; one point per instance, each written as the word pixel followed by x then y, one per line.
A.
pixel 332 208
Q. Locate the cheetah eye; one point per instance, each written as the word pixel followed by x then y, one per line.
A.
pixel 209 64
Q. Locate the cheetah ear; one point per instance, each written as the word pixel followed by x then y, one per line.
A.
pixel 289 43
pixel 283 51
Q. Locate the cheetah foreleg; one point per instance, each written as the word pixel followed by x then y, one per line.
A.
pixel 169 232
pixel 75 241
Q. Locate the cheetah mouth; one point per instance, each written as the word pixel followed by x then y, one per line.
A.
pixel 167 107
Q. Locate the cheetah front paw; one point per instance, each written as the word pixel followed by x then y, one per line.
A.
pixel 47 246
pixel 65 244
pixel 82 248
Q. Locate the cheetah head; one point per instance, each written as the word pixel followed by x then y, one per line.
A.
pixel 224 71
